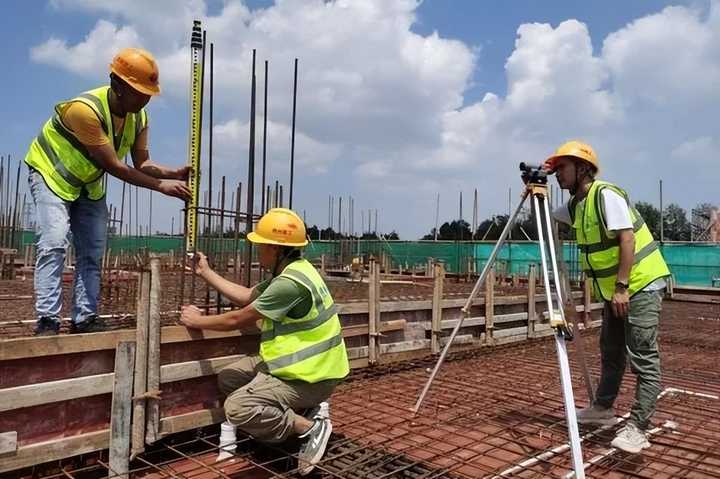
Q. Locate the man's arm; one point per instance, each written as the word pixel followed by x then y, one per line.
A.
pixel 107 159
pixel 236 293
pixel 626 239
pixel 192 317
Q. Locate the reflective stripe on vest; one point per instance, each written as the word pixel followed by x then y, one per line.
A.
pixel 64 162
pixel 315 349
pixel 310 348
pixel 601 254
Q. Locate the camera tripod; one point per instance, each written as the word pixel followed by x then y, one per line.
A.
pixel 537 190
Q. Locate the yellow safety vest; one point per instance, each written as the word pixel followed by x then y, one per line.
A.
pixel 65 163
pixel 310 348
pixel 600 254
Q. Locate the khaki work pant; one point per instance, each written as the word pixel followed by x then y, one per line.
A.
pixel 264 406
pixel 633 340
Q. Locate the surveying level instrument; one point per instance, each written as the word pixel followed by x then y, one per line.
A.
pixel 197 47
pixel 536 188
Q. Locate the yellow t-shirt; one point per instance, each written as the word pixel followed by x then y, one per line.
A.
pixel 84 124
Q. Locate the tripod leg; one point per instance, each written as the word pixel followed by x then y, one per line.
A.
pixel 468 304
pixel 568 300
pixel 560 346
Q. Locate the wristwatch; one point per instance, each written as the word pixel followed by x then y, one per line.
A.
pixel 621 285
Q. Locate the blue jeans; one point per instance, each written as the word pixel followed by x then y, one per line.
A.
pixel 56 218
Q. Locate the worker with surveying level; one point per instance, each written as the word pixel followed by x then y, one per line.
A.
pixel 628 273
pixel 302 353
pixel 86 137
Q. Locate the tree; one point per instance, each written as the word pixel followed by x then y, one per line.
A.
pixel 392 236
pixel 676 225
pixel 455 230
pixel 651 215
pixel 313 232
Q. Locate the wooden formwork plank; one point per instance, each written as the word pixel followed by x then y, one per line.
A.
pixel 153 361
pixel 436 323
pixel 373 311
pixel 141 358
pixel 8 442
pixel 121 409
pixel 531 307
pixel 489 305
pixel 54 450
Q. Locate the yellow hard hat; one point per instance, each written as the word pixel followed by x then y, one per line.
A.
pixel 138 69
pixel 280 226
pixel 576 149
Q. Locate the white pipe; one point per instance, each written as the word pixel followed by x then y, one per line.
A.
pixel 557 450
pixel 564 447
pixel 594 460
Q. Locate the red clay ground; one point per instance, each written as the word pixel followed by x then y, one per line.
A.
pixel 490 410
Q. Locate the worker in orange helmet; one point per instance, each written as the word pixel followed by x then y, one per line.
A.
pixel 86 137
pixel 302 353
pixel 628 272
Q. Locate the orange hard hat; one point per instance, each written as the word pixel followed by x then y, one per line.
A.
pixel 576 149
pixel 138 69
pixel 280 226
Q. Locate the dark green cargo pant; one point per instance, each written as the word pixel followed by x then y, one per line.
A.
pixel 634 338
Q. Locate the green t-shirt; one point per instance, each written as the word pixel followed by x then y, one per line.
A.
pixel 280 297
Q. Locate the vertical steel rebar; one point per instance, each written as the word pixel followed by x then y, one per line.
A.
pixel 263 206
pixel 292 138
pixel 15 206
pixel 236 257
pixel 209 247
pixel 251 180
pixel 221 248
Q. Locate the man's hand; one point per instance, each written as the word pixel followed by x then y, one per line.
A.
pixel 181 173
pixel 200 265
pixel 175 188
pixel 191 316
pixel 620 303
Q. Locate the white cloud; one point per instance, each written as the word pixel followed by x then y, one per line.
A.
pixel 91 56
pixel 313 157
pixel 381 110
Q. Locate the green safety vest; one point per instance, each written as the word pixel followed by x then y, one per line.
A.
pixel 600 254
pixel 310 348
pixel 65 163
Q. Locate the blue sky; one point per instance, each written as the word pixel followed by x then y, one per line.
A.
pixel 399 102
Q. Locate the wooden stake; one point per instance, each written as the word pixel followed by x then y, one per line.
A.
pixel 141 362
pixel 121 409
pixel 489 307
pixel 439 275
pixel 373 311
pixel 532 315
pixel 153 360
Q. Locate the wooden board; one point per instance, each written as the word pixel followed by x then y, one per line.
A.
pixel 8 442
pixel 121 409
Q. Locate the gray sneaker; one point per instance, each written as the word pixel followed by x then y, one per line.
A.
pixel 596 414
pixel 630 439
pixel 312 450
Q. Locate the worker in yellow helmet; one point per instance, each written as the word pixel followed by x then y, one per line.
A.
pixel 86 137
pixel 628 271
pixel 302 353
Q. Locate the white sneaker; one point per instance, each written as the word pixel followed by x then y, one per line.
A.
pixel 630 439
pixel 596 414
pixel 312 450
